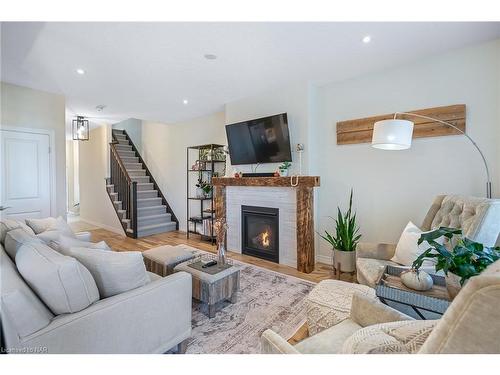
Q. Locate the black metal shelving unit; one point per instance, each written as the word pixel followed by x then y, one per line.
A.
pixel 205 162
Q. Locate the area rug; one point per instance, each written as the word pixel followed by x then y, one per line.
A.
pixel 266 299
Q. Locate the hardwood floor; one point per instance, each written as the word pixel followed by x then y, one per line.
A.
pixel 121 243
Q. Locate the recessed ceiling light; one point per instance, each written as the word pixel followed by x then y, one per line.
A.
pixel 185 101
pixel 367 39
pixel 80 71
pixel 210 56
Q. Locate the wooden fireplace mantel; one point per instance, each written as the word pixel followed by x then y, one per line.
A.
pixel 305 204
pixel 303 181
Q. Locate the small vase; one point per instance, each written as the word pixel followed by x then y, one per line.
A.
pixel 416 280
pixel 453 284
pixel 347 260
pixel 200 193
pixel 221 254
pixel 284 172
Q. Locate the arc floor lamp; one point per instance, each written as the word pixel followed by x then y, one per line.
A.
pixel 396 134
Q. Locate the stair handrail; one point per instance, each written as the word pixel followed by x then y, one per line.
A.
pixel 148 173
pixel 131 192
pixel 119 160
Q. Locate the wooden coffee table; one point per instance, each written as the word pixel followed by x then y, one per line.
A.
pixel 214 284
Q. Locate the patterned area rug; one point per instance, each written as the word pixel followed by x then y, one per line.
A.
pixel 266 300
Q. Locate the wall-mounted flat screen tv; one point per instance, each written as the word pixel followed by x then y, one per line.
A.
pixel 263 140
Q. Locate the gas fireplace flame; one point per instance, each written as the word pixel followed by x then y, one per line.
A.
pixel 265 239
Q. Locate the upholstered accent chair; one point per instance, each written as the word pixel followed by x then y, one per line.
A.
pixel 479 219
pixel 470 325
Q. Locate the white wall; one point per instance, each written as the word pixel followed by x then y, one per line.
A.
pixel 391 188
pixel 28 108
pixel 72 175
pixel 95 205
pixel 133 127
pixel 164 151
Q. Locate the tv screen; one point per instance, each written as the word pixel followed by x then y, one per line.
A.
pixel 263 140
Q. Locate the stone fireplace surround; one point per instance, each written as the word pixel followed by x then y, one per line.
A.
pixel 295 204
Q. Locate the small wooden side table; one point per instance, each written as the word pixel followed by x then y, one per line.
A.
pixel 212 288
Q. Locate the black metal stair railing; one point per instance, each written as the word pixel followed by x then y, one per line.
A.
pixel 127 192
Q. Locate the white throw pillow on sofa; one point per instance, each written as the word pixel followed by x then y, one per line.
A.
pixel 114 272
pixel 7 225
pixel 407 249
pixel 50 224
pixel 15 239
pixel 61 282
pixel 65 243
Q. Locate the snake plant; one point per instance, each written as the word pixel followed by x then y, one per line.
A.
pixel 347 235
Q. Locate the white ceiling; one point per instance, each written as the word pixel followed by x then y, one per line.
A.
pixel 145 70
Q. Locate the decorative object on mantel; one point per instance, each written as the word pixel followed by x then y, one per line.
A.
pixel 304 209
pixel 284 169
pixel 416 279
pixel 344 241
pixel 220 228
pixel 465 259
pixel 396 134
pixel 80 129
pixel 360 130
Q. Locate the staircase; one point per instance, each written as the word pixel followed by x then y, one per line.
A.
pixel 139 203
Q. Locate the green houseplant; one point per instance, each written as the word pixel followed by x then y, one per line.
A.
pixel 459 257
pixel 283 168
pixel 345 239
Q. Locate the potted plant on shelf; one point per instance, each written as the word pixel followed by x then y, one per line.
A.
pixel 203 189
pixel 283 168
pixel 345 239
pixel 459 258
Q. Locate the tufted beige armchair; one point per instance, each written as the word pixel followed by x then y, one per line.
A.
pixel 479 219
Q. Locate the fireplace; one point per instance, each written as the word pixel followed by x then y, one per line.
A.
pixel 260 232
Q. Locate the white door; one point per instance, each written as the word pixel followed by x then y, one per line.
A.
pixel 25 174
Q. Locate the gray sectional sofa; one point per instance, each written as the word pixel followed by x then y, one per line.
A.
pixel 153 318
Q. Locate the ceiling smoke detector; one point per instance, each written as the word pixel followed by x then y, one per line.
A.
pixel 210 56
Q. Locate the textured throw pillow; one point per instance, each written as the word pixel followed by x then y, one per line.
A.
pixel 50 224
pixel 114 272
pixel 404 337
pixel 407 249
pixel 65 243
pixel 61 282
pixel 7 225
pixel 15 239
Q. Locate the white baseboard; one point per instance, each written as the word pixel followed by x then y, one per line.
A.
pixel 326 259
pixel 103 226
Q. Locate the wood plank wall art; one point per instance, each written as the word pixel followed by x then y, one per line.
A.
pixel 360 130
